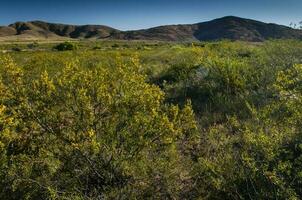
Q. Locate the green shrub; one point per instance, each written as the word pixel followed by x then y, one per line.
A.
pixel 115 45
pixel 85 133
pixel 33 45
pixel 97 47
pixel 66 46
pixel 16 49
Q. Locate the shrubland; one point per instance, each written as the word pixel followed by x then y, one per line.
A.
pixel 152 121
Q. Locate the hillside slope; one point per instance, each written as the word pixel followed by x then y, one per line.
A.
pixel 40 29
pixel 230 27
pixel 233 28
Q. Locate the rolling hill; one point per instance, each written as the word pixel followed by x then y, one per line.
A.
pixel 230 27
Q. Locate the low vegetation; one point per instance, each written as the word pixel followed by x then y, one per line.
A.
pixel 66 46
pixel 152 121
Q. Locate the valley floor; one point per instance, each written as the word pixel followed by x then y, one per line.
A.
pixel 89 119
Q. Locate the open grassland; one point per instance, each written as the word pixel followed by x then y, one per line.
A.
pixel 151 120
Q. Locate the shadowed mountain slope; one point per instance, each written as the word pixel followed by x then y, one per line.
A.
pixel 230 27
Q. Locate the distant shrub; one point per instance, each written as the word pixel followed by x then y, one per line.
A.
pixel 245 54
pixel 97 47
pixel 66 46
pixel 115 46
pixel 33 45
pixel 17 49
pixel 198 44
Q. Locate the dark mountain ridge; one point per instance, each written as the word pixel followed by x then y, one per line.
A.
pixel 45 29
pixel 230 27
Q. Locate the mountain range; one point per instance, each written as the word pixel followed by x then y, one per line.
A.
pixel 230 27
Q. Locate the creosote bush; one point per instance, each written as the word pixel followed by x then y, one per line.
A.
pixel 89 134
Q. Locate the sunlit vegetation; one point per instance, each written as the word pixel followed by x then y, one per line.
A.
pixel 139 120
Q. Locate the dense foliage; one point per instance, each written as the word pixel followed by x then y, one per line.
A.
pixel 153 121
pixel 66 46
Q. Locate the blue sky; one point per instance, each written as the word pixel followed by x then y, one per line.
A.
pixel 137 14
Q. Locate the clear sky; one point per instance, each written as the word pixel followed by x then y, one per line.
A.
pixel 137 14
